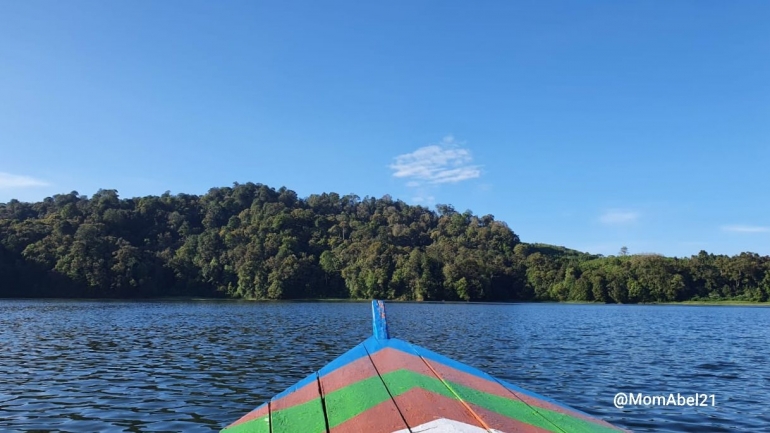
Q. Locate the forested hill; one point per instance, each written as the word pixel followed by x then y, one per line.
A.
pixel 252 241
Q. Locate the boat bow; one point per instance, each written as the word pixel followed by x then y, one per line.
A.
pixel 387 385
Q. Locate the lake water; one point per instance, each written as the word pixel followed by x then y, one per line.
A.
pixel 78 366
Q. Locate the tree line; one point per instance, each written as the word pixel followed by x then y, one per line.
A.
pixel 255 242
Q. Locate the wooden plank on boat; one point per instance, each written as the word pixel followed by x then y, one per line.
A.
pixel 299 408
pixel 419 394
pixel 355 396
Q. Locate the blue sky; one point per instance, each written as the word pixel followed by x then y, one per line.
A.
pixel 592 124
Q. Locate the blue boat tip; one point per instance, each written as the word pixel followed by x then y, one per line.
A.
pixel 379 321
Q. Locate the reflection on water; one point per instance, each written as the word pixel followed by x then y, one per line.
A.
pixel 79 366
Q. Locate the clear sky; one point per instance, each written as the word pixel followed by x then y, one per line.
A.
pixel 588 124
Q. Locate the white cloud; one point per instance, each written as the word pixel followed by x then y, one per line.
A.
pixel 9 181
pixel 745 229
pixel 424 200
pixel 446 162
pixel 616 216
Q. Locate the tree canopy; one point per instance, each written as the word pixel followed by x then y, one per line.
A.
pixel 256 242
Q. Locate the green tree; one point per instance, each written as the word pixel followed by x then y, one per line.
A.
pixel 257 242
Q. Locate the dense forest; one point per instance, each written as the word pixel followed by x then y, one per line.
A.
pixel 256 242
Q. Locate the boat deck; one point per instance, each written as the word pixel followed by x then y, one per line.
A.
pixel 387 385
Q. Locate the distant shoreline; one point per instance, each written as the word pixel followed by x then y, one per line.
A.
pixel 347 300
pixel 726 302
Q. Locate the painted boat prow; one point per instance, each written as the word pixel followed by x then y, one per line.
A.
pixel 387 385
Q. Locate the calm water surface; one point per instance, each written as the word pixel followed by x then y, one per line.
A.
pixel 75 366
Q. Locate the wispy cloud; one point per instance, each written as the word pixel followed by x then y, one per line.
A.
pixel 426 200
pixel 617 216
pixel 8 181
pixel 445 162
pixel 745 229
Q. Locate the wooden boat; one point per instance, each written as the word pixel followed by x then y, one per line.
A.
pixel 386 385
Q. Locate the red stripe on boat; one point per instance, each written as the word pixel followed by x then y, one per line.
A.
pixel 388 360
pixel 356 371
pixel 382 418
pixel 493 387
pixel 419 406
pixel 384 413
pixel 503 423
pixel 302 395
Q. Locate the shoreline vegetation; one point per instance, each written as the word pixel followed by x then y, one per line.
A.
pixel 722 303
pixel 250 241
